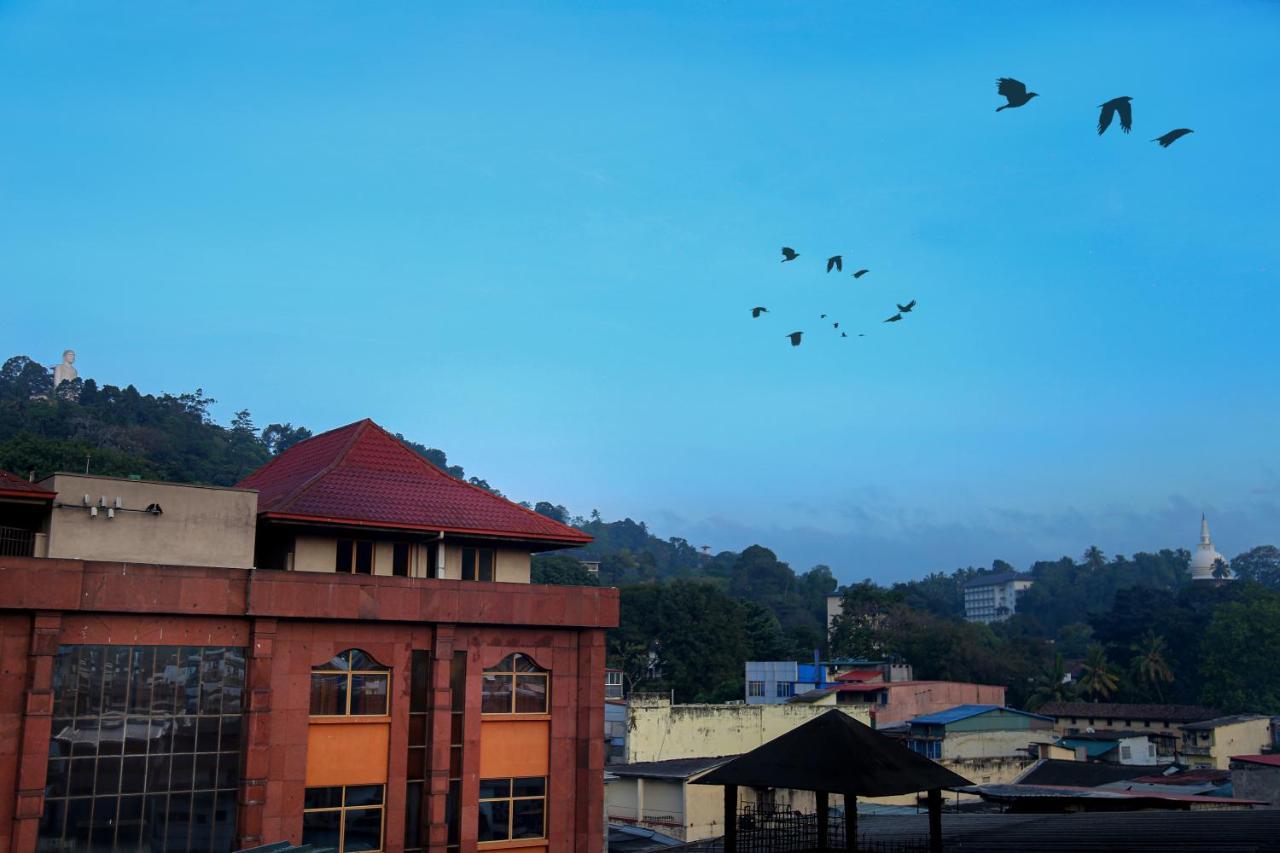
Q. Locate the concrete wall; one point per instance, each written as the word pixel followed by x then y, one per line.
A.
pixel 911 699
pixel 657 804
pixel 1244 738
pixel 200 525
pixel 1006 744
pixel 658 730
pixel 1256 782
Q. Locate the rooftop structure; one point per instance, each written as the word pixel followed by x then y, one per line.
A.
pixel 994 597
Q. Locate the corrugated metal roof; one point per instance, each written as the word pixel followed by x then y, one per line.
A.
pixel 964 712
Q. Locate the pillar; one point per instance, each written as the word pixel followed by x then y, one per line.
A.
pixel 37 720
pixel 851 822
pixel 441 703
pixel 730 819
pixel 589 829
pixel 256 767
pixel 935 820
pixel 824 840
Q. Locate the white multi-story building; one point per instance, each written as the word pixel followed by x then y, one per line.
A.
pixel 994 598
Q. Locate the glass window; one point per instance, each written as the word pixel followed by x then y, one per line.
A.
pixel 145 749
pixel 755 688
pixel 352 683
pixel 355 555
pixel 516 685
pixel 415 805
pixel 512 808
pixel 400 552
pixel 477 564
pixel 785 689
pixel 344 819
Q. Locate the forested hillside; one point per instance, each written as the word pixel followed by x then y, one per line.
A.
pixel 1128 628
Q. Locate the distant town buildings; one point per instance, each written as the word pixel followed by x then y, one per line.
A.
pixel 1206 563
pixel 1211 743
pixel 1162 723
pixel 994 598
pixel 976 731
pixel 778 682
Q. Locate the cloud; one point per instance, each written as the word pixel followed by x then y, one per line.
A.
pixel 897 543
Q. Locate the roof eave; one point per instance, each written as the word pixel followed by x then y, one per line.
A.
pixel 514 536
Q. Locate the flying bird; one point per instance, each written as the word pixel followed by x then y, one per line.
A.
pixel 906 309
pixel 789 254
pixel 860 273
pixel 1014 91
pixel 1172 136
pixel 795 338
pixel 822 316
pixel 844 334
pixel 835 325
pixel 836 261
pixel 758 310
pixel 1110 108
pixel 895 318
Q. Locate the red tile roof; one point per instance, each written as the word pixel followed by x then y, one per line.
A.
pixel 362 475
pixel 1271 760
pixel 13 486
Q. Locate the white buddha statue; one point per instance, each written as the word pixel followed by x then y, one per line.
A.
pixel 66 371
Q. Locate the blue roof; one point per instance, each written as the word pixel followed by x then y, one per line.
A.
pixel 964 712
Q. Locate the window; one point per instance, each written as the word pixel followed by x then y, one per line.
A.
pixel 355 555
pixel 512 809
pixel 884 697
pixel 785 689
pixel 351 684
pixel 529 680
pixel 927 748
pixel 1126 753
pixel 415 811
pixel 457 709
pixel 144 750
pixel 755 688
pixel 344 819
pixel 400 553
pixel 613 678
pixel 477 564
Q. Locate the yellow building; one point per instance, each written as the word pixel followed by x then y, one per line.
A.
pixel 1211 743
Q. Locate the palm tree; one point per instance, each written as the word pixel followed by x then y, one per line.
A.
pixel 1221 571
pixel 1052 685
pixel 1149 664
pixel 1094 559
pixel 1098 681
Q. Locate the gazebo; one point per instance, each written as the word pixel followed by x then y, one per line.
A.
pixel 834 754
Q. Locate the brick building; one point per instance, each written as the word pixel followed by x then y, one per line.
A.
pixel 391 682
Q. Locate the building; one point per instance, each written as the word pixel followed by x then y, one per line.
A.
pixel 376 674
pixel 1206 558
pixel 1256 777
pixel 994 597
pixel 776 682
pixel 890 702
pixel 1112 747
pixel 1162 722
pixel 670 746
pixel 977 731
pixel 1211 743
pixel 613 683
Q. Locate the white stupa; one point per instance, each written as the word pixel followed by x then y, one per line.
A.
pixel 1205 555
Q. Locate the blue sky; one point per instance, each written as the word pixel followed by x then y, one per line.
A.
pixel 530 234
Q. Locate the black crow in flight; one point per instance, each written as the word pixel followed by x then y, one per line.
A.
pixel 795 338
pixel 1015 91
pixel 836 261
pixel 789 254
pixel 895 318
pixel 906 309
pixel 1113 106
pixel 860 273
pixel 1172 136
pixel 758 310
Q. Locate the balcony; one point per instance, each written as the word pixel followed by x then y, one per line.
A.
pixel 16 542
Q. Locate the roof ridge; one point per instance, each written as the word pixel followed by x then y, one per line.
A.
pixel 338 457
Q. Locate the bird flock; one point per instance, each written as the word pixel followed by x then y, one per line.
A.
pixel 835 263
pixel 1016 95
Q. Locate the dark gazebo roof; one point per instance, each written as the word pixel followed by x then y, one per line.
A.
pixel 837 754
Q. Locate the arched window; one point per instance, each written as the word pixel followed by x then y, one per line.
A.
pixel 352 683
pixel 516 685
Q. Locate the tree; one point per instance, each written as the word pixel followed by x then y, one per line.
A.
pixel 1094 559
pixel 552 511
pixel 1260 564
pixel 1240 663
pixel 561 571
pixel 1221 571
pixel 280 437
pixel 861 629
pixel 1098 681
pixel 1052 685
pixel 1149 665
